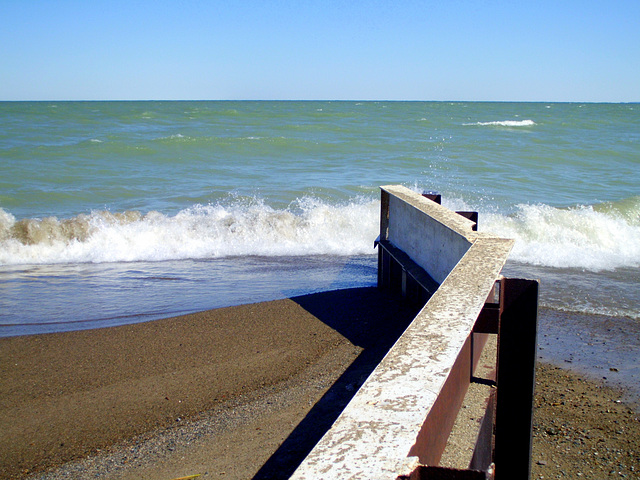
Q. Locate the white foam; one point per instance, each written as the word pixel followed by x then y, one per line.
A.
pixel 601 237
pixel 506 123
pixel 577 237
pixel 307 227
pixel 598 237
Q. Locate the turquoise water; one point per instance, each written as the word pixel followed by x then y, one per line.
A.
pixel 64 159
pixel 115 212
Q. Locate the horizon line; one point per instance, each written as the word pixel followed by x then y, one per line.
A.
pixel 322 100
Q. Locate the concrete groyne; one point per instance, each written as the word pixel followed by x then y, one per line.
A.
pixel 398 424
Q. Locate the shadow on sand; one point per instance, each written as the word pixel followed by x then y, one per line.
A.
pixel 369 318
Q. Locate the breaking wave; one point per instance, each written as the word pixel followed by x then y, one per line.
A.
pixel 506 123
pixel 308 226
pixel 598 237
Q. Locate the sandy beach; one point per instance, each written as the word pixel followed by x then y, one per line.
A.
pixel 245 392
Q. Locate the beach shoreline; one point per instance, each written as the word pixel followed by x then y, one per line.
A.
pixel 234 393
pixel 599 348
pixel 69 395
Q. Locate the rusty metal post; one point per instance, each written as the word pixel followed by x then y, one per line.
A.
pixel 473 216
pixel 383 256
pixel 433 196
pixel 441 473
pixel 517 344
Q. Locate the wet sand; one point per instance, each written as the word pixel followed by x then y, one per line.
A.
pixel 245 392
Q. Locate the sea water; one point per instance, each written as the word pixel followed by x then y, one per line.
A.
pixel 119 212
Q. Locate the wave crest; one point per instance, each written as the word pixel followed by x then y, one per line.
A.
pixel 592 237
pixel 309 226
pixel 505 123
pixel 598 237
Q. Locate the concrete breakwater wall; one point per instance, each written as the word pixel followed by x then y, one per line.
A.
pixel 398 423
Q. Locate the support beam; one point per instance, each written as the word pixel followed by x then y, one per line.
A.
pixel 441 473
pixel 473 216
pixel 434 197
pixel 517 343
pixel 402 274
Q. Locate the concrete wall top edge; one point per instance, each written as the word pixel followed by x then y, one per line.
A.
pixel 450 219
pixel 483 262
pixel 378 428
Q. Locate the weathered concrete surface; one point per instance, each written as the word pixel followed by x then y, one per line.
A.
pixel 381 426
pixel 433 236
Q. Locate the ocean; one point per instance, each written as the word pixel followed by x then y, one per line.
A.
pixel 120 212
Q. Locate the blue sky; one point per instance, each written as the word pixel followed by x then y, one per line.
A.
pixel 310 49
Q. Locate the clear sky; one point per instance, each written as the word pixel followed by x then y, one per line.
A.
pixel 559 50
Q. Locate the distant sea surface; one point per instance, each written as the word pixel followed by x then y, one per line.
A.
pixel 120 212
